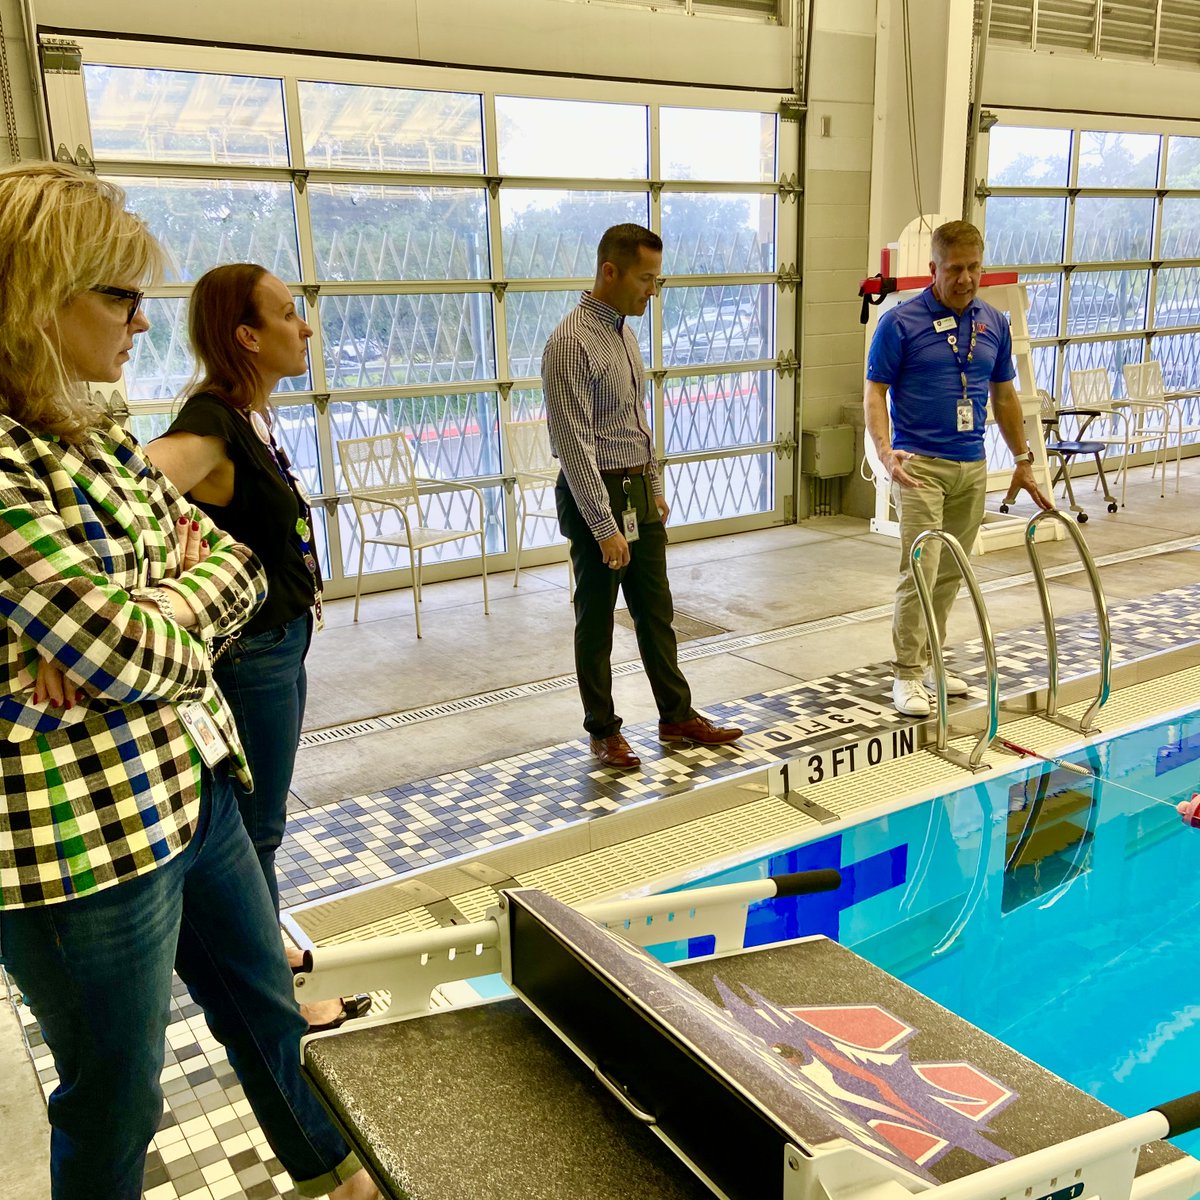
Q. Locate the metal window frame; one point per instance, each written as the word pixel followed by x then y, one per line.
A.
pixel 68 110
pixel 1077 124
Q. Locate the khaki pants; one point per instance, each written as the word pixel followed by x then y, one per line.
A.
pixel 951 498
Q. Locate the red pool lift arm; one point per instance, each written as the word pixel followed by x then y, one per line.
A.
pixel 874 289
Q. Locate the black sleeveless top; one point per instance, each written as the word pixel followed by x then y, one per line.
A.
pixel 263 512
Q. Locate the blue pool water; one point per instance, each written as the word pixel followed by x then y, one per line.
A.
pixel 1077 944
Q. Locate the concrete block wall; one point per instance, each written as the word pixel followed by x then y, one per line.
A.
pixel 837 195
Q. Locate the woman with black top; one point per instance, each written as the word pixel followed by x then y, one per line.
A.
pixel 247 335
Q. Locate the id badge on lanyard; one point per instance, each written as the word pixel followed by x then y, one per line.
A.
pixel 202 729
pixel 965 409
pixel 629 524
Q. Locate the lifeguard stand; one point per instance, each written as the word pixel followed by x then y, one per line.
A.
pixel 905 273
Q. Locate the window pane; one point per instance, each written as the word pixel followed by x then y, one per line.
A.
pixel 1043 367
pixel 549 235
pixel 1024 229
pixel 161 363
pixel 1112 356
pixel 1183 162
pixel 1021 157
pixel 715 412
pixel 532 318
pixel 442 510
pixel 451 437
pixel 571 138
pixel 1105 301
pixel 1177 297
pixel 1179 354
pixel 203 223
pixel 184 116
pixel 1044 294
pixel 527 404
pixel 295 428
pixel 1109 159
pixel 147 426
pixel 717 234
pixel 726 323
pixel 380 341
pixel 1112 228
pixel 391 129
pixel 368 232
pixel 720 487
pixel 703 143
pixel 1181 227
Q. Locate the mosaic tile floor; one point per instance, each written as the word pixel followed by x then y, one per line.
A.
pixel 209 1145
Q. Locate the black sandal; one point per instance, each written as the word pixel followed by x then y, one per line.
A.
pixel 353 1007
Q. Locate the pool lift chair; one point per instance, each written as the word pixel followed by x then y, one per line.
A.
pixel 745 1074
pixel 1067 449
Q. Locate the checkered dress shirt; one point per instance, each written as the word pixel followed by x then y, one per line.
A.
pixel 109 789
pixel 595 383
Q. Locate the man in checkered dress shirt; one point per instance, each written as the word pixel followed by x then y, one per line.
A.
pixel 609 495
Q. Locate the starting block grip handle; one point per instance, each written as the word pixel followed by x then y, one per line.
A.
pixel 801 883
pixel 1183 1115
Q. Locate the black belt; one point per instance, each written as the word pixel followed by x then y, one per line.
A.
pixel 621 472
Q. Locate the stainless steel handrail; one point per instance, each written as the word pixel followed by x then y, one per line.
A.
pixel 1084 724
pixel 973 761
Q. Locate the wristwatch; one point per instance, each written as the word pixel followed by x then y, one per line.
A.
pixel 1026 457
pixel 162 598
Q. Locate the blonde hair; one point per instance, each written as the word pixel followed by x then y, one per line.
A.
pixel 61 232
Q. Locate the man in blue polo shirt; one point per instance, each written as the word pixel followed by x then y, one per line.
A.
pixel 942 354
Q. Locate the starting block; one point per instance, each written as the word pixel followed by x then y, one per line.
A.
pixel 795 1071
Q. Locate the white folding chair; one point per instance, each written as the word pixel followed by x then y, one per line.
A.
pixel 1123 423
pixel 386 493
pixel 1144 385
pixel 536 472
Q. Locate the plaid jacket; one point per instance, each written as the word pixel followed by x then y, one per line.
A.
pixel 108 790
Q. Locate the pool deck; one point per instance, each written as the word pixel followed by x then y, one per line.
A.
pixel 448 760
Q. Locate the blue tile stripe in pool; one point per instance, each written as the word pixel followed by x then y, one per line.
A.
pixel 397 830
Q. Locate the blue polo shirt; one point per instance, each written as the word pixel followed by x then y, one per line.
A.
pixel 917 363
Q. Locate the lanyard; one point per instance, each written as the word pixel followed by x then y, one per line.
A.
pixel 302 529
pixel 952 342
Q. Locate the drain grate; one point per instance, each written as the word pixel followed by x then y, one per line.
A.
pixel 727 645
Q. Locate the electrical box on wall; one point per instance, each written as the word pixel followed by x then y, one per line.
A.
pixel 827 452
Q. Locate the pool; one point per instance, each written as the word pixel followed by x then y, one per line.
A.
pixel 1058 913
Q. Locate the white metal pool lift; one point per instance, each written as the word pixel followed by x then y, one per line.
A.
pixel 1101 1163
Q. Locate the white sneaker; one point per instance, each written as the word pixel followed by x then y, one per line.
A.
pixel 910 698
pixel 954 685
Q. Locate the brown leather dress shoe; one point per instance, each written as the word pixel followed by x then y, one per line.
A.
pixel 614 752
pixel 698 729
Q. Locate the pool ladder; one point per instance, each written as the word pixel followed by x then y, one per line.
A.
pixel 974 760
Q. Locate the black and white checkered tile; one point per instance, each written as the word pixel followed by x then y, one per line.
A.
pixel 209 1145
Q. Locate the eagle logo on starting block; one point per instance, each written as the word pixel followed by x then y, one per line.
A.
pixel 851 1065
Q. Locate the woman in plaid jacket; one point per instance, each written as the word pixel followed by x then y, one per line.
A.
pixel 122 852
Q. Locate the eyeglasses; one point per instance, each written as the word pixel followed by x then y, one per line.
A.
pixel 120 293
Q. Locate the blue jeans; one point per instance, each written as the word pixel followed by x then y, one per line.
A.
pixel 262 677
pixel 96 972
